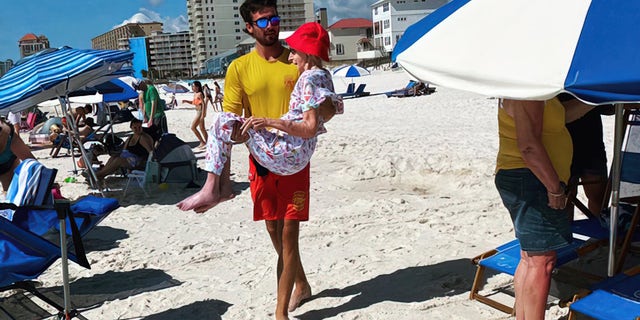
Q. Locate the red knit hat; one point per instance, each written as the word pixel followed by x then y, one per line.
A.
pixel 310 38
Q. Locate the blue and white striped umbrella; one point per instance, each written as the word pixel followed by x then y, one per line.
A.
pixel 533 50
pixel 55 73
pixel 350 71
pixel 527 49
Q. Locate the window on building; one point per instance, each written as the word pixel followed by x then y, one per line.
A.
pixel 385 7
pixel 340 49
pixel 385 24
pixel 238 37
pixel 237 30
pixel 236 23
pixel 375 10
pixel 235 15
pixel 387 41
pixel 235 8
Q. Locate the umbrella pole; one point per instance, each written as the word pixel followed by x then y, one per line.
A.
pixel 93 178
pixel 615 187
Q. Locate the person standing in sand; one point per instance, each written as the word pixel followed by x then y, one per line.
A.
pixel 532 169
pixel 259 84
pixel 197 126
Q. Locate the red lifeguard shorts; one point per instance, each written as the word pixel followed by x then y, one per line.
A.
pixel 279 197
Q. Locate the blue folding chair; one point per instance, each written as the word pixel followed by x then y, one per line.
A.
pixel 616 298
pixel 25 224
pixel 505 259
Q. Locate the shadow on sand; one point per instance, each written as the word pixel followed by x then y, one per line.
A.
pixel 89 293
pixel 413 284
pixel 207 309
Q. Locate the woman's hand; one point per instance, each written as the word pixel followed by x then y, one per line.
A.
pixel 255 124
pixel 557 198
pixel 236 135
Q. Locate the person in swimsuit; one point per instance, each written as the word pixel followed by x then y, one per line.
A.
pixel 217 102
pixel 13 151
pixel 197 126
pixel 135 154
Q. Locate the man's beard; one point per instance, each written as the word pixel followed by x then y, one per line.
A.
pixel 268 40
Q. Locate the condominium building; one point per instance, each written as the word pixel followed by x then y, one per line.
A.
pixel 217 27
pixel 392 17
pixel 109 40
pixel 30 44
pixel 5 66
pixel 170 54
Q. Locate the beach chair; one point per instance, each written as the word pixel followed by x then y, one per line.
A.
pixel 505 259
pixel 616 298
pixel 350 90
pixel 28 226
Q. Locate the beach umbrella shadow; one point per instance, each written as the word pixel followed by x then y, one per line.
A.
pixel 412 284
pixel 207 309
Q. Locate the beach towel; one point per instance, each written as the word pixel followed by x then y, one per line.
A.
pixel 23 189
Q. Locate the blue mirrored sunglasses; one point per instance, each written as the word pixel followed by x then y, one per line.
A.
pixel 264 22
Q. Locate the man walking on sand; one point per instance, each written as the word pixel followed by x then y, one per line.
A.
pixel 259 84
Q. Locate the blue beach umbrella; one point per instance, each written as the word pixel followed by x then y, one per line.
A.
pixel 350 71
pixel 533 50
pixel 55 73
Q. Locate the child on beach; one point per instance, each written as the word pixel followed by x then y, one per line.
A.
pixel 285 145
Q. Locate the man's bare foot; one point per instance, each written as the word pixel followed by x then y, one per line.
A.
pixel 299 296
pixel 198 201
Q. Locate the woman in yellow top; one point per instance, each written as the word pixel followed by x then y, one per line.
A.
pixel 533 166
pixel 201 114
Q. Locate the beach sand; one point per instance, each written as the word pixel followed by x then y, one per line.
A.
pixel 402 196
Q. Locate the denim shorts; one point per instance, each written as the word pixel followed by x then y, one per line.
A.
pixel 538 227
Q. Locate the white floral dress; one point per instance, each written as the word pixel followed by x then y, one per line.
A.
pixel 276 150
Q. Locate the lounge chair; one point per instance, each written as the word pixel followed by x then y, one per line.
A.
pixel 350 90
pixel 615 298
pixel 358 93
pixel 27 225
pixel 505 259
pixel 412 89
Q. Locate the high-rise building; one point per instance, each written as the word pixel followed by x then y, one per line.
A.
pixel 391 19
pixel 30 44
pixel 216 25
pixel 170 54
pixel 5 66
pixel 109 40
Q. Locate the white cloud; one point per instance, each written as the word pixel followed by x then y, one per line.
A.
pixel 169 24
pixel 155 3
pixel 342 9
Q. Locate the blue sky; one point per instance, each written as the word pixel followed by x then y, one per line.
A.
pixel 74 22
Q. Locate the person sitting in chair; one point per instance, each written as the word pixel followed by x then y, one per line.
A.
pixel 134 155
pixel 13 150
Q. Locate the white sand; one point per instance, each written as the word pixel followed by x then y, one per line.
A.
pixel 402 198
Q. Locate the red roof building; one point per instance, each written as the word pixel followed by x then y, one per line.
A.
pixel 352 23
pixel 30 44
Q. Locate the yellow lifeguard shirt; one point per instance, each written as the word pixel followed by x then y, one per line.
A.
pixel 555 138
pixel 255 86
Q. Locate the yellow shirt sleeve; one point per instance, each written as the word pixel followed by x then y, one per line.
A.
pixel 255 86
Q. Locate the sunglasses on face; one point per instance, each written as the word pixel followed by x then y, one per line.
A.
pixel 264 22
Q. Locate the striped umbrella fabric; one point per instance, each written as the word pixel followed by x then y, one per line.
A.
pixel 351 71
pixel 526 49
pixel 56 72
